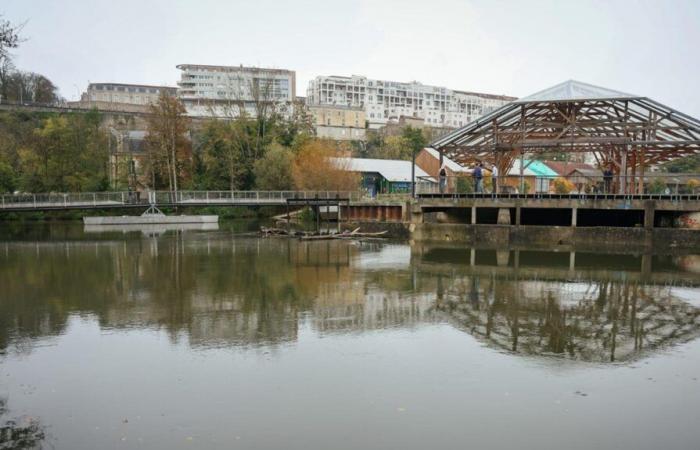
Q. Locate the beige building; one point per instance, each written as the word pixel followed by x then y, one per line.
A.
pixel 121 97
pixel 338 122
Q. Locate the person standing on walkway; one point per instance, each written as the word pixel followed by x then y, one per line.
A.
pixel 494 179
pixel 478 175
pixel 443 179
pixel 607 178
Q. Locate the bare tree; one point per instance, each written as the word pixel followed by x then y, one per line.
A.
pixel 9 38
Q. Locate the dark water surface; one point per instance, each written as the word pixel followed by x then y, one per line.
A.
pixel 208 340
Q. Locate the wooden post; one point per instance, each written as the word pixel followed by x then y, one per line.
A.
pixel 318 218
pixel 288 219
pixel 623 173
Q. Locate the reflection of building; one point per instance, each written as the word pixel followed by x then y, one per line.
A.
pixel 386 101
pixel 121 97
pixel 229 90
pixel 340 123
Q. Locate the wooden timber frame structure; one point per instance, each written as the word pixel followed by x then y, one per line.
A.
pixel 624 132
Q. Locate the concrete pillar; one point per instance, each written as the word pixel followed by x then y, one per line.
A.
pixel 473 215
pixel 503 216
pixel 646 264
pixel 649 210
pixel 574 216
pixel 502 257
pixel 572 261
pixel 472 257
pixel 517 215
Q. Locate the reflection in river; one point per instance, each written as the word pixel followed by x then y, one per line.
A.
pixel 210 291
pixel 218 291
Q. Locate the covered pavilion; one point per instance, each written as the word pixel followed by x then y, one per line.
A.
pixel 624 132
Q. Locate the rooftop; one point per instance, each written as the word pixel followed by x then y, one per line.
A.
pixel 574 90
pixel 231 68
pixel 393 170
pixel 132 85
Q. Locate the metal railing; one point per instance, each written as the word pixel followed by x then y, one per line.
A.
pixel 651 185
pixel 67 200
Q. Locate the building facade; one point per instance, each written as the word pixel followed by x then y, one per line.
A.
pixel 121 97
pixel 340 123
pixel 385 101
pixel 229 90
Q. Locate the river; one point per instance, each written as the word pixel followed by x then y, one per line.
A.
pixel 217 339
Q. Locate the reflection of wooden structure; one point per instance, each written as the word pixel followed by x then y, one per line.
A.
pixel 625 132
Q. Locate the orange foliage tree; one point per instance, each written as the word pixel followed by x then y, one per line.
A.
pixel 317 168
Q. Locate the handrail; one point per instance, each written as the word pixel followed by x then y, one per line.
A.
pixel 122 198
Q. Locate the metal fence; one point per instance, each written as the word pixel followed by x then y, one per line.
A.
pixel 575 184
pixel 116 199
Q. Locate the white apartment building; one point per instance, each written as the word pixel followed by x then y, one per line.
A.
pixel 386 101
pixel 227 90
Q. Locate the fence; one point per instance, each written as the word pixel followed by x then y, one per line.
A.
pixel 575 184
pixel 120 199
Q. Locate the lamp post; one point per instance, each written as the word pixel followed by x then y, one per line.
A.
pixel 413 173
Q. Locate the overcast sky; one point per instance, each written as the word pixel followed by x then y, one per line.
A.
pixel 648 48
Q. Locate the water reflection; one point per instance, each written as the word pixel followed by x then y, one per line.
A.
pixel 151 229
pixel 215 290
pixel 19 433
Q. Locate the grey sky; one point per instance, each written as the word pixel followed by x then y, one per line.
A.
pixel 519 47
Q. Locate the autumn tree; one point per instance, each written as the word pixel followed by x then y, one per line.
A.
pixel 168 143
pixel 317 168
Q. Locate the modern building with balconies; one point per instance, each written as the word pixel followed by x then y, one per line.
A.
pixel 225 91
pixel 386 101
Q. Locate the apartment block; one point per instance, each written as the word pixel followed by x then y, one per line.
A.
pixel 386 101
pixel 229 90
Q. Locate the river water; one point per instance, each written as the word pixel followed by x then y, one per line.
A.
pixel 196 339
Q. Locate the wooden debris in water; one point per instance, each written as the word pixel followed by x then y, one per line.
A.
pixel 307 236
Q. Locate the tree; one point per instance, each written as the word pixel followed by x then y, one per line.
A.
pixel 296 130
pixel 26 87
pixel 414 138
pixel 273 172
pixel 683 165
pixel 229 149
pixel 9 38
pixel 167 142
pixel 317 169
pixel 69 154
pixel 395 147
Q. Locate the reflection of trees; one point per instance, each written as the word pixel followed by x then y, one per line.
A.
pixel 603 321
pixel 23 433
pixel 216 290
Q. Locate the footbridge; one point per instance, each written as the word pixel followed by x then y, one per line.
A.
pixel 136 200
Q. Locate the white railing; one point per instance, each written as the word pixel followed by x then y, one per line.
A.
pixel 116 199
